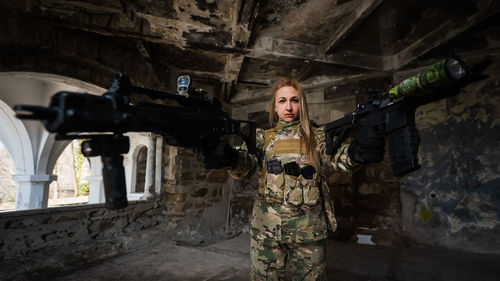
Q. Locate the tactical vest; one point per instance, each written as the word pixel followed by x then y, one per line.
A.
pixel 283 180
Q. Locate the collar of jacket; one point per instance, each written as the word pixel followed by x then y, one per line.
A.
pixel 283 125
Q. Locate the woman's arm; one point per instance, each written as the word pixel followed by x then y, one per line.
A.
pixel 247 163
pixel 340 161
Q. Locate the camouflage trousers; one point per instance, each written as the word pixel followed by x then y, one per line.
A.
pixel 269 259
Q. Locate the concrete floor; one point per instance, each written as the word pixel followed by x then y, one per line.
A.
pixel 229 260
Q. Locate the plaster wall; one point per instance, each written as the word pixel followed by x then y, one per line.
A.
pixel 65 185
pixel 454 199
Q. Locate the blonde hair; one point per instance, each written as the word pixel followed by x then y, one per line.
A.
pixel 306 128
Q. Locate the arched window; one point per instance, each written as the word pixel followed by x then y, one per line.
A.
pixel 140 167
pixel 143 166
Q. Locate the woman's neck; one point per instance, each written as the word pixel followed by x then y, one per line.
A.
pixel 284 124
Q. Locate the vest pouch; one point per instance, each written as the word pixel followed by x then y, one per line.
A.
pixel 311 191
pixel 293 191
pixel 274 187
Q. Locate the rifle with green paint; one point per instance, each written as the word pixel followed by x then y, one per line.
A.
pixel 393 115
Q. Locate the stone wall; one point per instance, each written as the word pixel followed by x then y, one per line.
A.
pixel 202 205
pixel 38 243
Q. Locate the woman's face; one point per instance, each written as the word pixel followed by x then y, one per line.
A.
pixel 287 104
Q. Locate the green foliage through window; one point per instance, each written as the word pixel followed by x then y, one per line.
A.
pixel 82 184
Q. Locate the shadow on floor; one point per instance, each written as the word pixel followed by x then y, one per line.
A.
pixel 229 260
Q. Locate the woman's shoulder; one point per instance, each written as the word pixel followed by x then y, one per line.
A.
pixel 319 131
pixel 259 132
pixel 260 136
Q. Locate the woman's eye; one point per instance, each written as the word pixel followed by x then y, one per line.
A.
pixel 281 101
pixel 295 101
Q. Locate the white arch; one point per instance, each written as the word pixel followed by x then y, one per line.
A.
pixel 15 137
pixel 50 150
pixel 33 150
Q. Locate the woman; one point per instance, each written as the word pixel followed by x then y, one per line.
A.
pixel 289 222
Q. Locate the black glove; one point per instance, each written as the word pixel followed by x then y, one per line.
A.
pixel 367 148
pixel 220 156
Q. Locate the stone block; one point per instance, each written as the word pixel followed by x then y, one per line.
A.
pixel 200 205
pixel 202 192
pixel 217 176
pixel 214 192
pixel 178 197
pixel 186 176
pixel 65 218
pixel 178 208
pixel 171 188
pixel 172 181
pixel 186 163
pixel 187 206
pixel 201 177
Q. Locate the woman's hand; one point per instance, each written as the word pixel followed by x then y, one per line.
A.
pixel 367 148
pixel 220 156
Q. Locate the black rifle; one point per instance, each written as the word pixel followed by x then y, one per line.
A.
pixel 193 123
pixel 393 115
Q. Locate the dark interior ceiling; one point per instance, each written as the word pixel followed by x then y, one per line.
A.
pixel 239 46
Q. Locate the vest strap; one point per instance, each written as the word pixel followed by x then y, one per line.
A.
pixel 269 134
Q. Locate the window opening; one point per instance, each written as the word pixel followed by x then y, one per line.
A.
pixel 72 170
pixel 8 186
pixel 141 169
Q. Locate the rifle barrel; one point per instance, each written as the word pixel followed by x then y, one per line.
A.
pixel 32 112
pixel 442 73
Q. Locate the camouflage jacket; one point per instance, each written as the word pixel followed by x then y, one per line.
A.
pixel 287 208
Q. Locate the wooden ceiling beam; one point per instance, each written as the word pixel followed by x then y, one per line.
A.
pixel 442 34
pixel 268 48
pixel 249 96
pixel 358 10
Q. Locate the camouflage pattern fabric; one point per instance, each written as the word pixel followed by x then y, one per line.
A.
pixel 307 260
pixel 288 209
